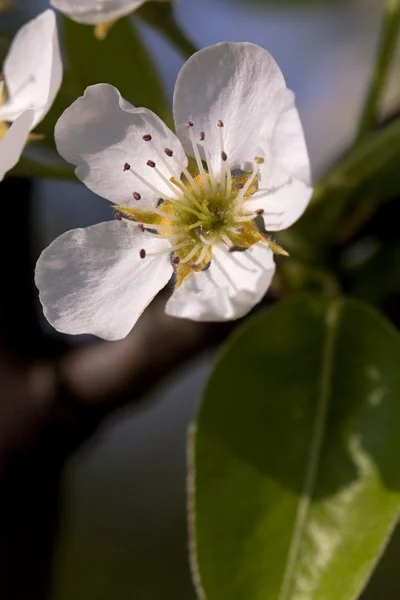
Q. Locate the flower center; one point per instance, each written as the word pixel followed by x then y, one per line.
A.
pixel 203 210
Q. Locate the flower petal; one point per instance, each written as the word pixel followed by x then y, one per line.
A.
pixel 95 11
pixel 228 289
pixel 33 69
pixel 237 84
pixel 93 280
pixel 282 207
pixel 288 144
pixel 13 143
pixel 101 131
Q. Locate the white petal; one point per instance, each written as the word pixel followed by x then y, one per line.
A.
pixel 288 145
pixel 93 280
pixel 95 11
pixel 13 143
pixel 282 207
pixel 33 69
pixel 229 289
pixel 101 131
pixel 237 84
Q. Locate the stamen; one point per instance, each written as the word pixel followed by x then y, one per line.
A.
pixel 142 253
pixel 176 260
pixel 151 163
pixel 240 198
pixel 136 196
pixel 192 253
pixel 202 256
pixel 117 216
pixel 202 172
pixel 234 249
pixel 250 217
pixel 141 227
pixel 236 230
pixel 226 240
pixel 147 137
pixel 151 187
pixel 209 164
pixel 224 169
pixel 184 170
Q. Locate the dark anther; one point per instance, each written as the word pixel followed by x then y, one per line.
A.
pixel 190 123
pixel 239 186
pixel 117 216
pixel 224 156
pixel 141 227
pixel 151 163
pixel 260 211
pixel 127 167
pixel 220 123
pixel 142 253
pixel 202 136
pixel 239 229
pixel 233 249
pixel 176 260
pixel 168 151
pixel 192 266
pixel 136 196
pixel 147 137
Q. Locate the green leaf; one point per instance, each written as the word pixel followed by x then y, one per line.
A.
pixel 295 480
pixel 121 60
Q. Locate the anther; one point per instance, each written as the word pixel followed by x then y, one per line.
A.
pixel 147 137
pixel 190 124
pixel 117 216
pixel 239 229
pixel 127 166
pixel 168 152
pixel 202 136
pixel 192 266
pixel 142 253
pixel 233 249
pixel 239 186
pixel 220 123
pixel 136 196
pixel 224 155
pixel 259 160
pixel 260 211
pixel 151 163
pixel 176 260
pixel 141 227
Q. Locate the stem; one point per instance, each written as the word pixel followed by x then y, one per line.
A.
pixel 160 16
pixel 387 46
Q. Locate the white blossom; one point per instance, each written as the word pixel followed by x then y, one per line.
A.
pixel 32 73
pixel 187 203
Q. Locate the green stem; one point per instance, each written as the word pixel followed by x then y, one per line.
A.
pixel 160 16
pixel 387 46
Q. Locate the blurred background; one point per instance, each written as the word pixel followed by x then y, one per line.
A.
pixel 122 533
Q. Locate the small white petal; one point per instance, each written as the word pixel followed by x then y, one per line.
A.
pixel 101 131
pixel 288 144
pixel 13 143
pixel 33 69
pixel 228 289
pixel 95 11
pixel 282 207
pixel 237 84
pixel 93 280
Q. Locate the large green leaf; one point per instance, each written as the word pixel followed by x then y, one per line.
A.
pixel 121 60
pixel 295 477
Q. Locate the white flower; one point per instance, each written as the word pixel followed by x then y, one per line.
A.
pixel 33 74
pixel 239 153
pixel 94 12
